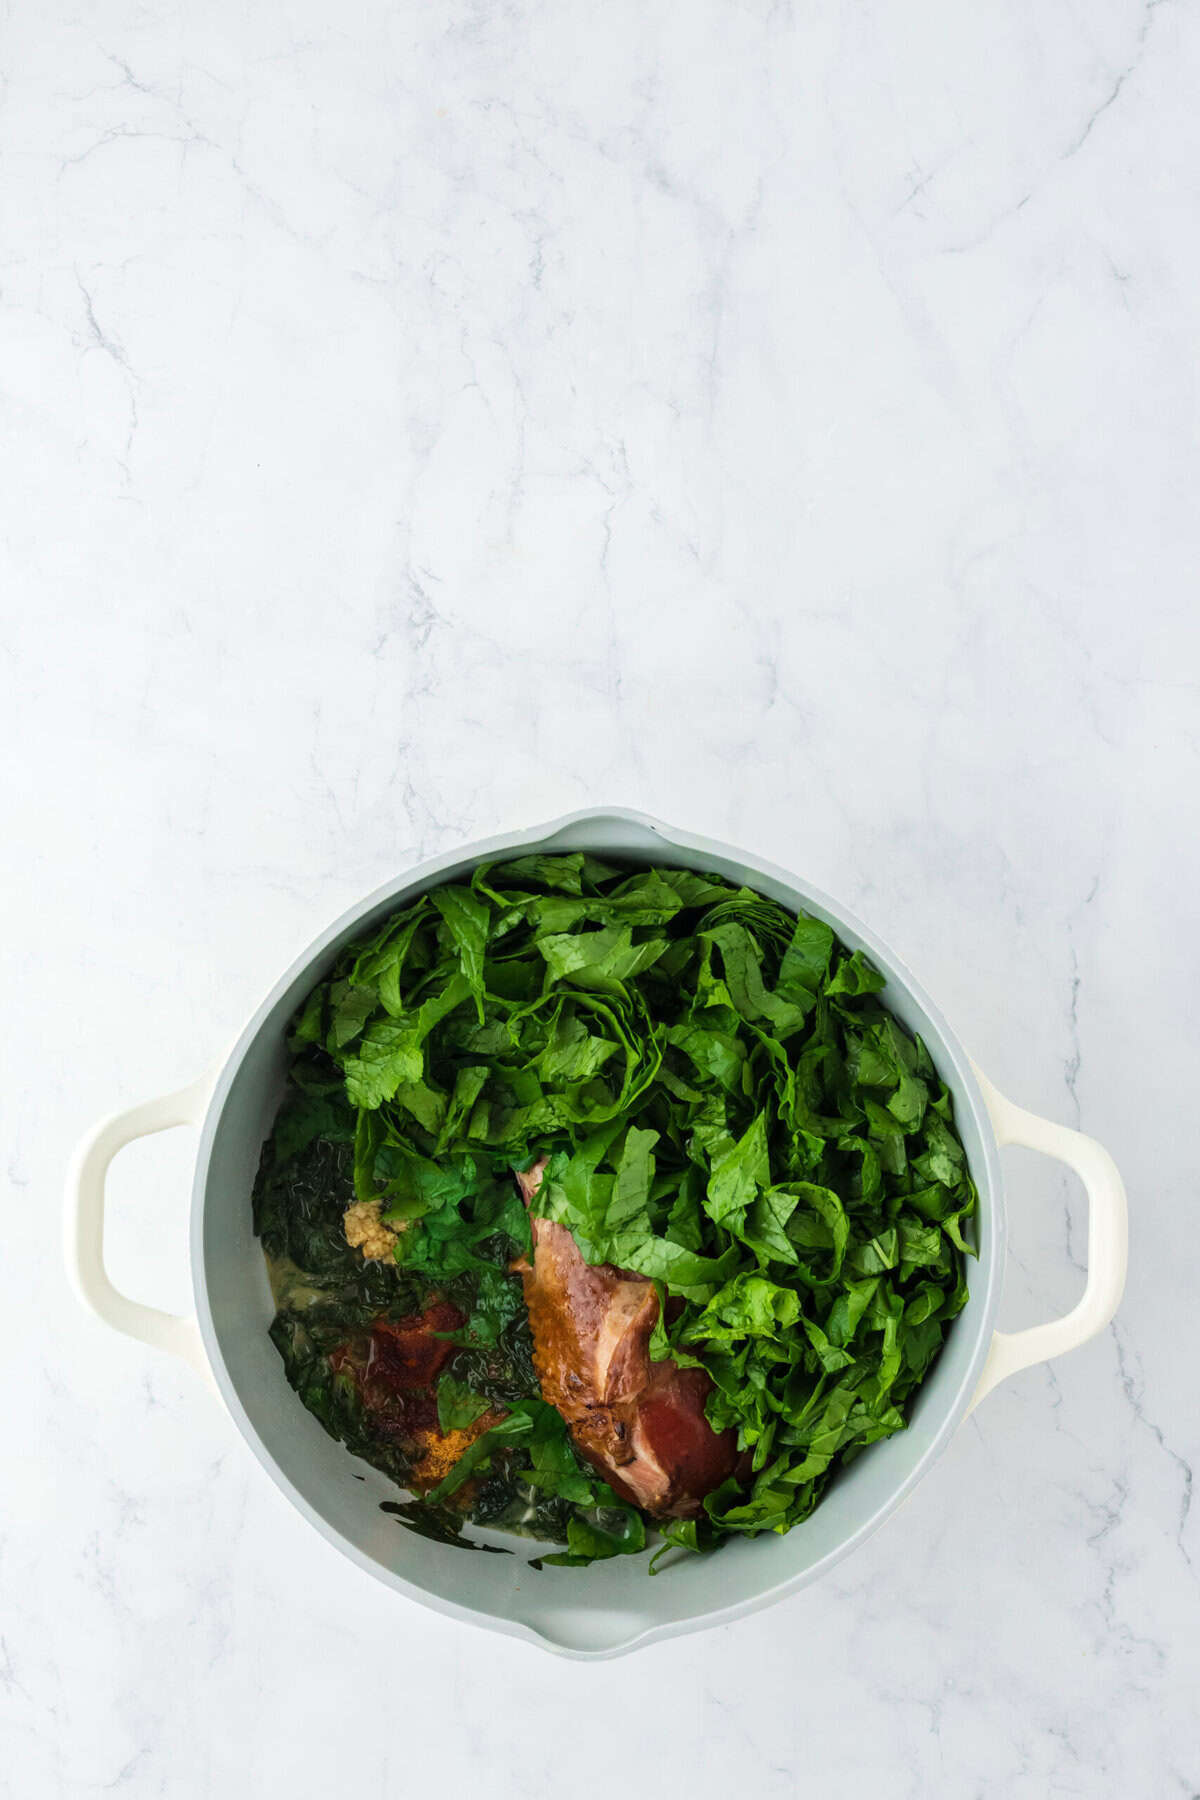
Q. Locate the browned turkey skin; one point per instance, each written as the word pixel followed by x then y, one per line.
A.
pixel 640 1423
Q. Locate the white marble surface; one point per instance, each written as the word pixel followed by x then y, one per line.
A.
pixel 424 418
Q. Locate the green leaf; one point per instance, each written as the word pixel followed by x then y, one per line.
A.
pixel 425 1104
pixel 829 1356
pixel 304 1117
pixel 573 1053
pixel 717 1054
pixel 574 1191
pixel 390 1051
pixel 352 1007
pixel 743 975
pixel 595 958
pixel 737 1176
pixel 469 1083
pixel 466 917
pixel 308 1026
pixel 920 1245
pixel 516 1425
pixel 844 1316
pixel 563 872
pixel 806 958
pixel 457 1405
pixel 765 1228
pixel 748 1306
pixel 880 1254
pixel 857 975
pixel 677 1534
pixel 555 1470
pixel 661 1260
pixel 908 1103
pixel 635 1172
pixel 388 1055
pixel 612 1532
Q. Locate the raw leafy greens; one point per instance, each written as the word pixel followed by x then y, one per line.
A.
pixel 728 1109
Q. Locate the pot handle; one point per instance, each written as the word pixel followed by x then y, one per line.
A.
pixel 1108 1241
pixel 84 1223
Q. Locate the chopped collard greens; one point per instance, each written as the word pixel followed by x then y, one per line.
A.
pixel 727 1108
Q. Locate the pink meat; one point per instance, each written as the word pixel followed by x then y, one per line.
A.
pixel 640 1423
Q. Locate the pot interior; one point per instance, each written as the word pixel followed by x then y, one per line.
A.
pixel 606 1607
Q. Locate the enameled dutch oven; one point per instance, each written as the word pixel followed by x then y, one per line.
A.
pixel 611 1607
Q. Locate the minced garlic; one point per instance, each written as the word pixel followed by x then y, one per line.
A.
pixel 366 1231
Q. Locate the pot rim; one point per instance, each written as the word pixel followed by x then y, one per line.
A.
pixel 988 1180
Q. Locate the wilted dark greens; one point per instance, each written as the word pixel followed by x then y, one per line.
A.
pixel 728 1109
pixel 329 1298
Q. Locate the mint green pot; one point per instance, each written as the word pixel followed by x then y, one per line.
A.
pixel 612 1607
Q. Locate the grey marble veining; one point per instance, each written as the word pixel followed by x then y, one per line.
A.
pixel 420 420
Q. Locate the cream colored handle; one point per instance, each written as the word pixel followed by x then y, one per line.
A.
pixel 84 1222
pixel 1108 1241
